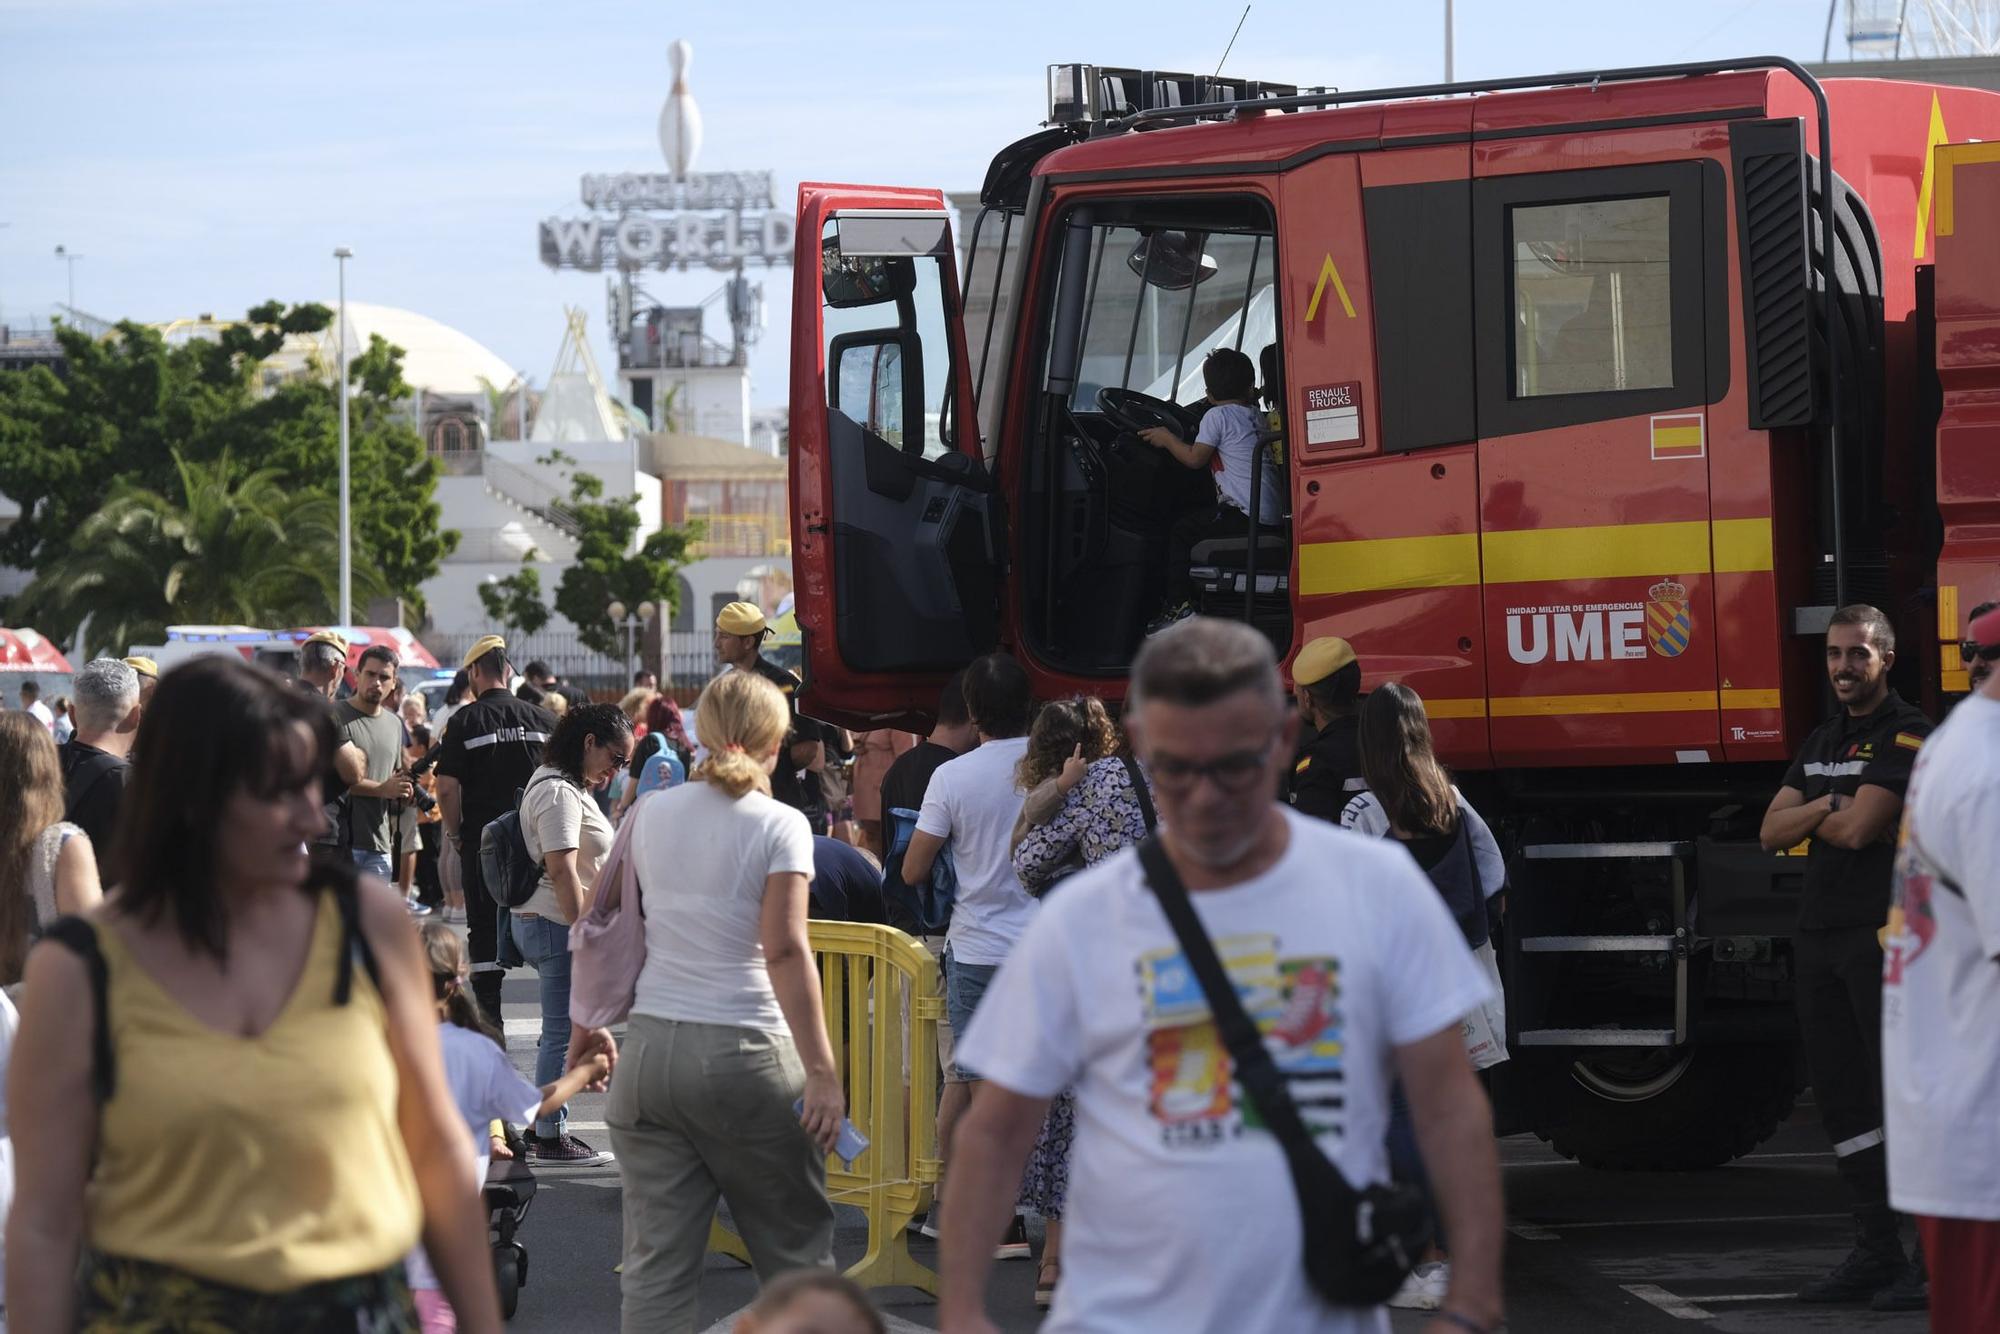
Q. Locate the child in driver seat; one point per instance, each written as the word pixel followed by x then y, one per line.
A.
pixel 1226 443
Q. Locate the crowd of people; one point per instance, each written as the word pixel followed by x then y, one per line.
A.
pixel 207 893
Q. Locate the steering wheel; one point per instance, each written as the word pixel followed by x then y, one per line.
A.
pixel 1132 411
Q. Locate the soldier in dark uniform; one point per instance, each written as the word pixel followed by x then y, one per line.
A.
pixel 491 747
pixel 1326 679
pixel 1844 792
pixel 740 632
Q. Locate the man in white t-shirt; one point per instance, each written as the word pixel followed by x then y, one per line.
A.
pixel 1182 1213
pixel 1941 1006
pixel 31 702
pixel 972 803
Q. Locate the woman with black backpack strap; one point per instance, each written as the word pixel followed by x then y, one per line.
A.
pixel 1412 800
pixel 227 1094
pixel 568 836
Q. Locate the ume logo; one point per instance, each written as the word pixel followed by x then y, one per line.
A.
pixel 1577 634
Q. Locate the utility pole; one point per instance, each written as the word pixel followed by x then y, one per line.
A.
pixel 1447 41
pixel 341 255
pixel 70 258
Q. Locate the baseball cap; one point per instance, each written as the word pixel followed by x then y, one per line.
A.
pixel 741 618
pixel 324 637
pixel 482 646
pixel 1982 638
pixel 144 666
pixel 1321 658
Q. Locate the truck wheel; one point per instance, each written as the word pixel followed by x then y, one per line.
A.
pixel 1663 1110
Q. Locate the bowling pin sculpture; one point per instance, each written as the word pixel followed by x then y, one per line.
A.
pixel 680 118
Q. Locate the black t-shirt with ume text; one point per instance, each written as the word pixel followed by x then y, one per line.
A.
pixel 491 746
pixel 1850 886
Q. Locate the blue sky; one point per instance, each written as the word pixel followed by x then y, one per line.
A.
pixel 203 155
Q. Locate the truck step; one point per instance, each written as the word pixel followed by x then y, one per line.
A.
pixel 1596 944
pixel 1596 1037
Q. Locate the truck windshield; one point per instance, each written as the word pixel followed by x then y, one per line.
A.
pixel 1160 300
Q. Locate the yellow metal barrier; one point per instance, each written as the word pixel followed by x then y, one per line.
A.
pixel 883 998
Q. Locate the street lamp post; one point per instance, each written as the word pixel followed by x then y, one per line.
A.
pixel 341 255
pixel 69 257
pixel 616 611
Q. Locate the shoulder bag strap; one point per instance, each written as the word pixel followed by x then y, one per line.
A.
pixel 1254 1068
pixel 80 938
pixel 1140 793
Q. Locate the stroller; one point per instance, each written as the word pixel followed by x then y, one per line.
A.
pixel 509 1190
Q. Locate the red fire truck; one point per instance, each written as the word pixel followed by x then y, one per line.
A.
pixel 1596 394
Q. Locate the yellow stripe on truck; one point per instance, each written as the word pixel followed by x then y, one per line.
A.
pixel 1651 701
pixel 1554 706
pixel 1535 555
pixel 1449 560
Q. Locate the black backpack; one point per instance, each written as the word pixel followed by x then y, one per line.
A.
pixel 509 872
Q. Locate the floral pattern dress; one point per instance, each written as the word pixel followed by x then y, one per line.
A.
pixel 1098 817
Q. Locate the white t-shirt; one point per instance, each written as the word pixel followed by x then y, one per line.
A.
pixel 1342 952
pixel 485 1087
pixel 1940 978
pixel 1231 430
pixel 557 814
pixel 972 802
pixel 1364 815
pixel 43 715
pixel 703 858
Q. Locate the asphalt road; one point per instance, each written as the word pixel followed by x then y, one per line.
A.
pixel 1587 1252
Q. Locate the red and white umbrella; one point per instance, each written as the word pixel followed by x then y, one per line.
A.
pixel 410 652
pixel 27 651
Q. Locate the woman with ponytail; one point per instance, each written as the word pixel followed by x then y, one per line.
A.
pixel 726 1036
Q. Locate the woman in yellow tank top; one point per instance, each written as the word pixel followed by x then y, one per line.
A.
pixel 242 1122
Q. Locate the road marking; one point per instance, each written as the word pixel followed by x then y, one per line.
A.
pixel 894 1324
pixel 1692 1222
pixel 1532 1232
pixel 1678 1308
pixel 1685 1308
pixel 1565 1162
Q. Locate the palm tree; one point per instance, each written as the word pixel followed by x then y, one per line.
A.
pixel 232 548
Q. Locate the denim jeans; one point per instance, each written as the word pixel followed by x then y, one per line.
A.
pixel 378 862
pixel 964 987
pixel 544 943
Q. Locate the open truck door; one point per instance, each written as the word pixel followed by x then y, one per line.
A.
pixel 898 543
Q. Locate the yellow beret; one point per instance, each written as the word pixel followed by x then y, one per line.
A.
pixel 327 637
pixel 741 618
pixel 144 666
pixel 1321 658
pixel 482 646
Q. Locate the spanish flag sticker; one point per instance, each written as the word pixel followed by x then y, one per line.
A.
pixel 1678 436
pixel 1909 741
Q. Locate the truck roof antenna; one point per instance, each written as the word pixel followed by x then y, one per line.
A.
pixel 1232 42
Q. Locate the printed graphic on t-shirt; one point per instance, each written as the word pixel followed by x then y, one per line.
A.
pixel 1912 918
pixel 1295 1004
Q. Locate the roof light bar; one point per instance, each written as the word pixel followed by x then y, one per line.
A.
pixel 1091 94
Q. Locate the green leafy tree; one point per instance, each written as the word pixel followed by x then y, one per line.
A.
pixel 607 569
pixel 222 545
pixel 130 407
pixel 516 601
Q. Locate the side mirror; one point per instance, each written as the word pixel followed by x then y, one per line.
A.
pixel 850 281
pixel 865 381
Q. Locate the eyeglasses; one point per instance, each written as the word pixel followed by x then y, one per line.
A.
pixel 1235 772
pixel 1971 651
pixel 619 757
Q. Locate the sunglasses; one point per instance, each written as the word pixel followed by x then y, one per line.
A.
pixel 1971 651
pixel 1235 772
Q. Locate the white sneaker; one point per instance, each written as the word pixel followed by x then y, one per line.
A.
pixel 1424 1289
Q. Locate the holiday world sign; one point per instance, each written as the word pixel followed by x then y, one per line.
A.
pixel 677 220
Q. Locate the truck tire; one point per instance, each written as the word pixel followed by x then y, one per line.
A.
pixel 1667 1111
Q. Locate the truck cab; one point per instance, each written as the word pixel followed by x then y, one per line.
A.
pixel 1592 397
